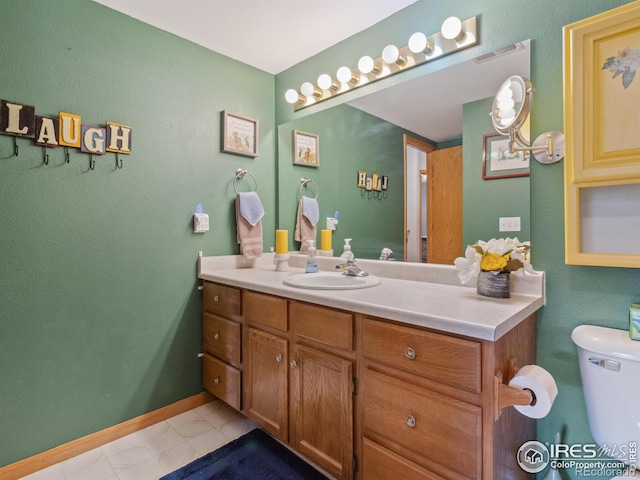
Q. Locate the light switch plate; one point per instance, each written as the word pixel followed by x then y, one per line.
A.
pixel 200 222
pixel 509 224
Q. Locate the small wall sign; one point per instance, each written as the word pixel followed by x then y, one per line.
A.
pixel 20 120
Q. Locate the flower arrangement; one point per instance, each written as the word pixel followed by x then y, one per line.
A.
pixel 496 256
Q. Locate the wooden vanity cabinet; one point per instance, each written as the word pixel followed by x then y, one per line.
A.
pixel 221 336
pixel 322 387
pixel 298 377
pixel 366 398
pixel 429 403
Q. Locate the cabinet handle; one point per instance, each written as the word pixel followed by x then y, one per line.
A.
pixel 411 421
pixel 294 364
pixel 215 298
pixel 278 357
pixel 216 336
pixel 216 380
pixel 410 353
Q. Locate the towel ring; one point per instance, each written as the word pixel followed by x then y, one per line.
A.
pixel 304 182
pixel 240 173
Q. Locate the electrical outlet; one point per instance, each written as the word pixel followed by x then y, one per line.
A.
pixel 509 224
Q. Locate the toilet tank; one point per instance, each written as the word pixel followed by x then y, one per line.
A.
pixel 610 370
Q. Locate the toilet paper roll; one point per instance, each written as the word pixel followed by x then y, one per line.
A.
pixel 543 386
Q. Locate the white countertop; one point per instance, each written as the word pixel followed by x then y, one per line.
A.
pixel 417 294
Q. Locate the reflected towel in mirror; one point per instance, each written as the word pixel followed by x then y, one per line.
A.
pixel 308 211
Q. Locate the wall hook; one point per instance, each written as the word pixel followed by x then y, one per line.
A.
pixel 118 161
pixel 92 162
pixel 15 146
pixel 45 156
pixel 66 154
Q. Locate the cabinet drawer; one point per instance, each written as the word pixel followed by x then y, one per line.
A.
pixel 378 463
pixel 440 429
pixel 222 300
pixel 221 338
pixel 324 325
pixel 222 380
pixel 449 360
pixel 266 310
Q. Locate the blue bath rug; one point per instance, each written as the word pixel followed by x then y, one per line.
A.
pixel 253 456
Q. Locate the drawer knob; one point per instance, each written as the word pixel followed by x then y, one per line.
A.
pixel 411 421
pixel 216 336
pixel 215 298
pixel 216 380
pixel 279 358
pixel 410 353
pixel 294 364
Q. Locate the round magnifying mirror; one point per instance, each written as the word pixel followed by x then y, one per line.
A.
pixel 512 104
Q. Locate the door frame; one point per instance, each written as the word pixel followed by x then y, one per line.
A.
pixel 409 141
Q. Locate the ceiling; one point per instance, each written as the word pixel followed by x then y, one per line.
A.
pixel 271 35
pixel 261 33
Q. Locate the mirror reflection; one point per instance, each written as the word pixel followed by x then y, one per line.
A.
pixel 435 122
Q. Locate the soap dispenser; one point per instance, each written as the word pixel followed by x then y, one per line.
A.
pixel 347 254
pixel 312 263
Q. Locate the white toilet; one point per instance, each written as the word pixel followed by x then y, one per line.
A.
pixel 610 370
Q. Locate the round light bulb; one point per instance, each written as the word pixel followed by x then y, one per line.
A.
pixel 291 96
pixel 451 28
pixel 366 64
pixel 390 54
pixel 344 74
pixel 417 42
pixel 325 81
pixel 307 89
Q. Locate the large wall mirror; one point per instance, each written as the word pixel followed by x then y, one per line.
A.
pixel 378 133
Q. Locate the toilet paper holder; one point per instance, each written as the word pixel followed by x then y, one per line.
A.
pixel 507 395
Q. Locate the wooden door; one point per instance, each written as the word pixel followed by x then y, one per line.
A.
pixel 444 205
pixel 266 386
pixel 322 410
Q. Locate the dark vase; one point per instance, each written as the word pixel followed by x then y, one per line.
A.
pixel 496 285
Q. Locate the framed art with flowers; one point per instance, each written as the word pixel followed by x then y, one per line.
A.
pixel 602 94
pixel 499 162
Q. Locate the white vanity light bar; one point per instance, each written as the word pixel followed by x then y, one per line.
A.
pixel 436 46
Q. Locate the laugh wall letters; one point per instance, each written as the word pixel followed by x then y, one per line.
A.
pixel 67 130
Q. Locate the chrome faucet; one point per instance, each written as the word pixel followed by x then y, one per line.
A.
pixel 386 253
pixel 351 269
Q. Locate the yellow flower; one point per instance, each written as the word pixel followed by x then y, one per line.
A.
pixel 493 261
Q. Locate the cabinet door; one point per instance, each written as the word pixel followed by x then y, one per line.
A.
pixel 322 410
pixel 265 377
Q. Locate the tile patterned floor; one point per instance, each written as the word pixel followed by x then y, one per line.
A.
pixel 157 450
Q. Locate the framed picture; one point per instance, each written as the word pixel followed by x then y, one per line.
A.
pixel 239 134
pixel 306 149
pixel 499 162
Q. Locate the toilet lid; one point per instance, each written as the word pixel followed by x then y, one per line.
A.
pixel 606 341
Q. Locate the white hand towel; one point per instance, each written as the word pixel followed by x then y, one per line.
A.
pixel 304 229
pixel 310 210
pixel 251 207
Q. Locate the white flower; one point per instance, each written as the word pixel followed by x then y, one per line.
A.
pixel 469 265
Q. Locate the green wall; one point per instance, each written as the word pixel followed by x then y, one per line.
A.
pixel 575 294
pixel 100 317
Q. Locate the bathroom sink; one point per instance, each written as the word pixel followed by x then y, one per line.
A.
pixel 330 281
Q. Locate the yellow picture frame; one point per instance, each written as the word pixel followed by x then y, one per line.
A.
pixel 602 148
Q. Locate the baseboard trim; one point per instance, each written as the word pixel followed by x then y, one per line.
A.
pixel 68 450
